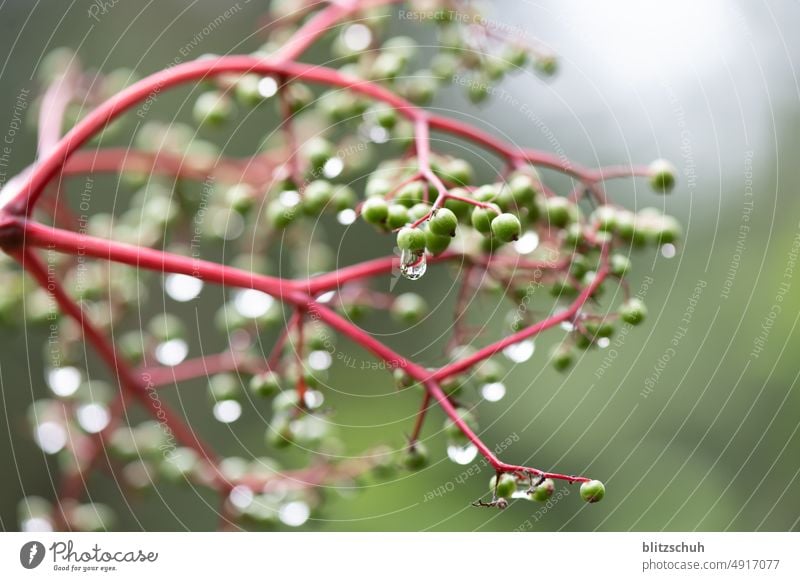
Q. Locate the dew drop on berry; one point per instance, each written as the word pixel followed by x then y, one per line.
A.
pixel 493 391
pixel 294 513
pixel 519 352
pixel 462 454
pixel 357 37
pixel 172 352
pixel 227 411
pixel 241 497
pixel 346 217
pixel 37 524
pixel 319 360
pixel 527 243
pixel 51 437
pixel 93 417
pixel 413 264
pixel 182 287
pixel 64 381
pixel 333 167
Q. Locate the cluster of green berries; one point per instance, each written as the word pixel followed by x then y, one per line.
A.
pixel 507 486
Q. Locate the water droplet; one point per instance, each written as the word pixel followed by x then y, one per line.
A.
pixel 357 37
pixel 413 264
pixel 527 243
pixel 294 513
pixel 241 497
pixel 252 303
pixel 519 352
pixel 313 399
pixel 493 391
pixel 93 417
pixel 37 524
pixel 378 134
pixel 172 352
pixel 64 381
pixel 346 217
pixel 289 198
pixel 462 454
pixel 51 437
pixel 668 250
pixel 182 287
pixel 333 167
pixel 319 360
pixel 227 411
pixel 326 297
pixel 267 87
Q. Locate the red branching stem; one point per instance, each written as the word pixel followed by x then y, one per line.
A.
pixel 203 366
pixel 420 420
pixel 61 157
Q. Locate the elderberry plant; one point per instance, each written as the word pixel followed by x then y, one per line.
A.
pixel 88 276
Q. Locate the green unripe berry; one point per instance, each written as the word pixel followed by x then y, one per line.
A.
pixel 418 211
pixel 387 66
pixel 343 198
pixel 318 151
pixel 490 371
pixel 487 193
pixel 397 216
pixel 605 218
pixel 316 197
pixel 223 386
pixel 377 187
pixel 662 176
pixel 668 230
pixel 457 171
pixel 212 108
pixel 626 224
pixel 444 65
pixel 166 326
pixel 411 239
pixel 437 244
pixel 619 265
pixel 559 211
pixel 443 222
pixel 247 91
pixel 561 357
pixel 375 211
pixel 523 189
pixel 482 219
pixel 506 227
pixel 543 491
pixel 574 234
pixel 479 89
pixel 410 194
pixel 504 487
pixel 599 327
pixel 240 197
pixel 633 311
pixel 279 215
pixel 547 65
pixel 384 115
pixel 459 208
pixel 593 491
pixel 453 432
pixel 265 384
pixel 298 96
pixel 416 457
pixel 409 308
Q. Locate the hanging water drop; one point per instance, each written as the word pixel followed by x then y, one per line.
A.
pixel 413 264
pixel 462 454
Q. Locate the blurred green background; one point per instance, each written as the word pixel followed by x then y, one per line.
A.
pixel 688 427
